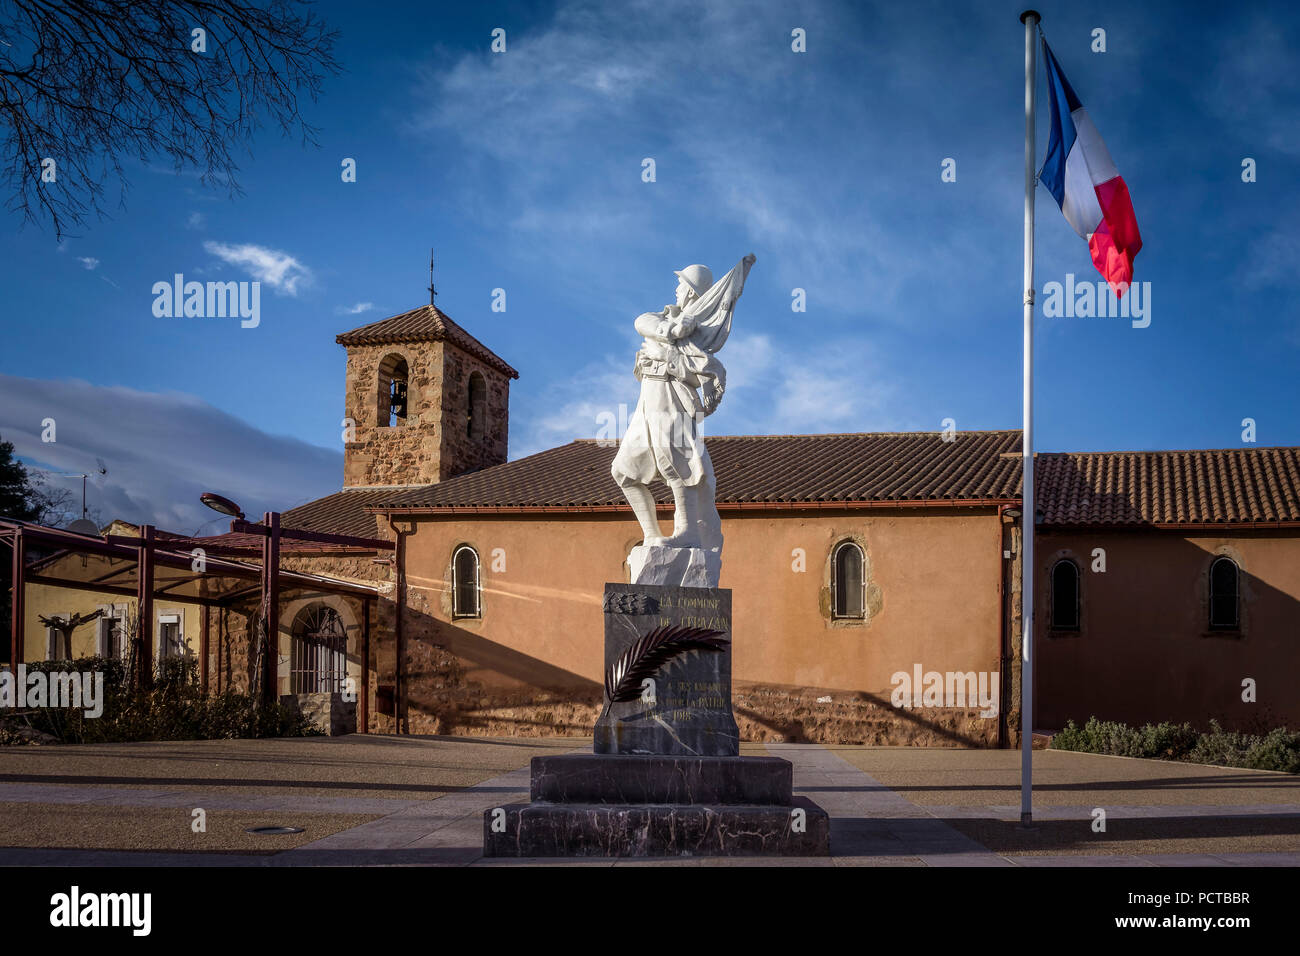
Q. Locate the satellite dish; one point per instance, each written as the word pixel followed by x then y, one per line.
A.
pixel 84 526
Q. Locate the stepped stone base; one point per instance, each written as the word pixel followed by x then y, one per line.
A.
pixel 611 805
pixel 601 778
pixel 542 830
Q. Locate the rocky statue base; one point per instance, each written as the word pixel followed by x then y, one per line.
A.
pixel 675 567
pixel 666 778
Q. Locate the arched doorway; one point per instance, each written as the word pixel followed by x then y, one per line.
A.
pixel 318 657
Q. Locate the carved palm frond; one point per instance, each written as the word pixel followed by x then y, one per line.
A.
pixel 649 653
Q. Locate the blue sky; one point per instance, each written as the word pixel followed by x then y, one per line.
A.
pixel 523 169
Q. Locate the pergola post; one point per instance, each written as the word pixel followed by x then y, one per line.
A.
pixel 363 698
pixel 205 619
pixel 144 605
pixel 222 627
pixel 271 603
pixel 16 607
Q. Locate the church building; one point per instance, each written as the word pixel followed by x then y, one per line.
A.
pixel 875 577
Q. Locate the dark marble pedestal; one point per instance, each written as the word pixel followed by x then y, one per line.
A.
pixel 614 805
pixel 666 778
pixel 686 707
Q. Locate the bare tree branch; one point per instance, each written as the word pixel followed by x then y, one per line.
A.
pixel 91 84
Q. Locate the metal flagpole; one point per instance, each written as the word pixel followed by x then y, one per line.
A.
pixel 1030 19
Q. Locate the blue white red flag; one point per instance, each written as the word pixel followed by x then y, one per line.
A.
pixel 1082 177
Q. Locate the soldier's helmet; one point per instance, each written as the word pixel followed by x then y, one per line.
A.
pixel 698 277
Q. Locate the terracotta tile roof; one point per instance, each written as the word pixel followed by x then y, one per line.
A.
pixel 425 324
pixel 1099 489
pixel 779 469
pixel 1168 487
pixel 251 545
pixel 340 513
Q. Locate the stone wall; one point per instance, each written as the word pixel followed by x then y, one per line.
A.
pixel 764 713
pixel 328 713
pixel 527 669
pixel 229 668
pixel 409 452
pixel 431 444
pixel 460 452
pixel 1144 650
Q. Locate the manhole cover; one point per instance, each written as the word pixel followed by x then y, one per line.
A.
pixel 273 831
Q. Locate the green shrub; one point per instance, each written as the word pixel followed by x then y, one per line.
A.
pixel 1276 750
pixel 174 708
pixel 1166 741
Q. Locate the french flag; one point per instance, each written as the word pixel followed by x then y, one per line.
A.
pixel 1082 177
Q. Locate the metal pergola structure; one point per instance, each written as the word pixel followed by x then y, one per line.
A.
pixel 156 564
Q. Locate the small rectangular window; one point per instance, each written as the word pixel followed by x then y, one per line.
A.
pixel 171 637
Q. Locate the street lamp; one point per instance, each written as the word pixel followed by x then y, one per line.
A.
pixel 270 578
pixel 223 505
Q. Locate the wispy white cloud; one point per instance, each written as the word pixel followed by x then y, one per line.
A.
pixel 89 262
pixel 355 309
pixel 701 102
pixel 281 271
pixel 196 220
pixel 162 451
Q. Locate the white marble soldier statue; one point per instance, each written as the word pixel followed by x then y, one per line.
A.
pixel 682 382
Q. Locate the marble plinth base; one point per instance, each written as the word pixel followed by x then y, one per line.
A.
pixel 685 709
pixel 601 778
pixel 675 567
pixel 567 830
pixel 616 806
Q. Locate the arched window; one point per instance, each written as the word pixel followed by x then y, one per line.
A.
pixel 464 583
pixel 1065 595
pixel 1224 595
pixel 393 395
pixel 848 581
pixel 476 413
pixel 318 661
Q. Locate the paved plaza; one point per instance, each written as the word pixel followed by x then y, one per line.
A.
pixel 419 801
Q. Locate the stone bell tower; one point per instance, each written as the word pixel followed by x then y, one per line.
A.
pixel 427 400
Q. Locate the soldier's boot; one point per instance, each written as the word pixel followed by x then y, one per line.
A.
pixel 643 506
pixel 686 517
